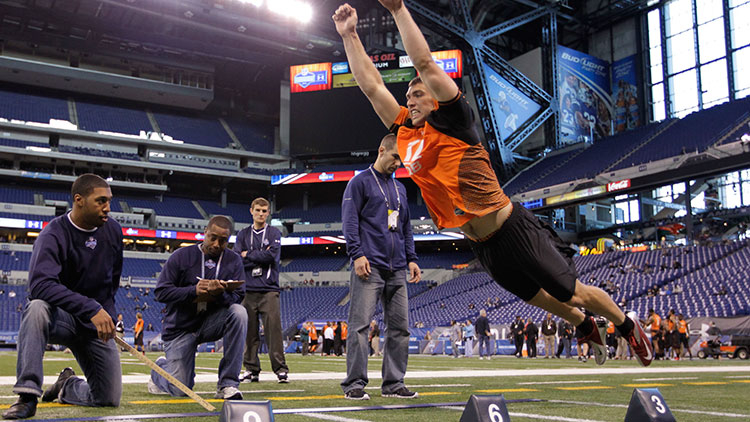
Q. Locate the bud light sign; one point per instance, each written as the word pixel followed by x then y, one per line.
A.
pixel 340 67
pixel 310 77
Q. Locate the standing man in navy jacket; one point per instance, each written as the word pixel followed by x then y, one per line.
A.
pixel 73 276
pixel 379 241
pixel 260 247
pixel 202 306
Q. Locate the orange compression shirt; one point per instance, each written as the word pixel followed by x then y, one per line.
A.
pixel 446 159
pixel 656 323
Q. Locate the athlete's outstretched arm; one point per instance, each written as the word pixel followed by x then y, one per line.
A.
pixel 367 76
pixel 441 85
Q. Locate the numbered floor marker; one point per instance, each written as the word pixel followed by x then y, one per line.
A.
pixel 246 411
pixel 485 409
pixel 648 405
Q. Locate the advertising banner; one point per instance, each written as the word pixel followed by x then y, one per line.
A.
pixel 512 107
pixel 310 77
pixel 578 194
pixel 340 67
pixel 398 75
pixel 449 60
pixel 625 94
pixel 585 104
pixel 344 80
pixel 326 176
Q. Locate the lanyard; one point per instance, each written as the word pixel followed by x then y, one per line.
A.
pixel 262 238
pixel 387 204
pixel 203 264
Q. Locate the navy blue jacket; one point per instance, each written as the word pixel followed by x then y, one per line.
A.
pixel 176 288
pixel 265 254
pixel 77 271
pixel 365 222
pixel 483 326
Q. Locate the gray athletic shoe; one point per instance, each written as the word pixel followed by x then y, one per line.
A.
pixel 228 393
pixel 402 393
pixel 357 394
pixel 154 389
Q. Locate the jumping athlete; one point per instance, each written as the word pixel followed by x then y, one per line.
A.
pixel 439 145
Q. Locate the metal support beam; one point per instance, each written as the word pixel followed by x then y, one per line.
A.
pixel 434 18
pixel 549 69
pixel 506 26
pixel 729 51
pixel 479 54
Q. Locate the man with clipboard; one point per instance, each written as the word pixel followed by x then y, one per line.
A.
pixel 202 286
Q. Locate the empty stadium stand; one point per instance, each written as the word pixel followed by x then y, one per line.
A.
pixel 194 130
pixel 32 108
pixel 253 137
pixel 95 117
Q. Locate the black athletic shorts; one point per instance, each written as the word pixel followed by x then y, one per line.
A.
pixel 526 255
pixel 684 340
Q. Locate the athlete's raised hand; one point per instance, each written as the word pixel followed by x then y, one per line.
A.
pixel 392 5
pixel 345 19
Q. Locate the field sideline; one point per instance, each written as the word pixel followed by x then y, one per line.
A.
pixel 696 390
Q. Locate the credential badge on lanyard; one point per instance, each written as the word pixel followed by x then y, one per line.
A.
pixel 210 264
pixel 392 214
pixel 258 271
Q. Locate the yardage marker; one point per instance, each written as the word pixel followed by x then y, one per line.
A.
pixel 653 384
pixel 697 412
pixel 256 391
pixel 559 382
pixel 330 396
pixel 173 401
pixel 593 387
pixel 706 383
pixel 40 405
pixel 507 390
pixel 437 393
pixel 330 417
pixel 424 386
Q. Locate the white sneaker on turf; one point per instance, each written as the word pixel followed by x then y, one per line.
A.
pixel 228 393
pixel 154 389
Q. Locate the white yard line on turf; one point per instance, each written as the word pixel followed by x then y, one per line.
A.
pixel 697 412
pixel 531 416
pixel 665 379
pixel 548 418
pixel 559 382
pixel 479 373
pixel 737 376
pixel 330 417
